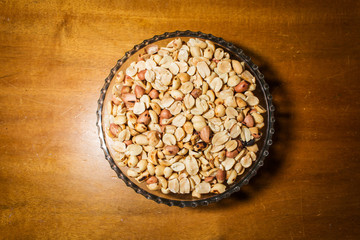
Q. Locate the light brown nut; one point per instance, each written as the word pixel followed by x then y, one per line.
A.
pixel 208 53
pixel 119 146
pixel 246 161
pixel 183 55
pixel 152 49
pixel 184 77
pixel 255 132
pixel 219 53
pixel 191 165
pixel 140 127
pixel 167 101
pixel 252 155
pixel 139 108
pixel 120 120
pixel 241 87
pixel 165 190
pixel 115 100
pixel 141 74
pixel 253 148
pixel 144 118
pixel 151 180
pixel 189 101
pixel 153 137
pixel 114 129
pixel 195 194
pixel 224 67
pixel 184 186
pixel 176 108
pixel 188 127
pixel 218 188
pixel 120 77
pixel 209 114
pixel 153 94
pixel 203 188
pixel 178 166
pixel 238 168
pixel 195 51
pixel 233 81
pixel 247 76
pixel 167 172
pixel 231 112
pixel 128 97
pixel 249 121
pixel 141 139
pixel 171 150
pixel 220 110
pixel 133 150
pixel 174 185
pixel 125 89
pixel 179 120
pixel 198 123
pixel 143 176
pixel 174 68
pixel 220 175
pixel 154 118
pixel 232 154
pixel 150 75
pixel 131 70
pixel 228 163
pixel 151 168
pixel 230 102
pixel 203 69
pixel 205 134
pixel 132 161
pixel 216 84
pixel 128 142
pixel 177 95
pixel 246 133
pixel 231 145
pixel 260 109
pixel 240 103
pixel 232 177
pixel 179 134
pixel 237 66
pixel 141 166
pixel 159 170
pixel 132 173
pixel 155 107
pixel 260 125
pixel 209 179
pixel 186 87
pixel 169 139
pixel 257 117
pixel 169 129
pixel 220 138
pixel 165 114
pixel 196 93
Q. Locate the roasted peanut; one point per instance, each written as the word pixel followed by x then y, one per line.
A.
pixel 159 100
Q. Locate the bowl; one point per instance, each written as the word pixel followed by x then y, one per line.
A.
pixel 186 200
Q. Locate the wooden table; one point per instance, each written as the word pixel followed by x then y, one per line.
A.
pixel 55 182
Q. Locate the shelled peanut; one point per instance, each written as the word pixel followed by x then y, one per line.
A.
pixel 184 119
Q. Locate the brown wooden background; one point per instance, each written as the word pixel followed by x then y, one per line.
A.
pixel 54 180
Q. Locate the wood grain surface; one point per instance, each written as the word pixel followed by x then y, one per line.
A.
pixel 54 180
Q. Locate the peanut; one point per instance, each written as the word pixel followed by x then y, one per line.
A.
pixel 139 91
pixel 241 87
pixel 153 94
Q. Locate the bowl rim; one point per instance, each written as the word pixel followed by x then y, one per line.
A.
pixel 262 153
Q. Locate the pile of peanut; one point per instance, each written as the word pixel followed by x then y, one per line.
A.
pixel 184 119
